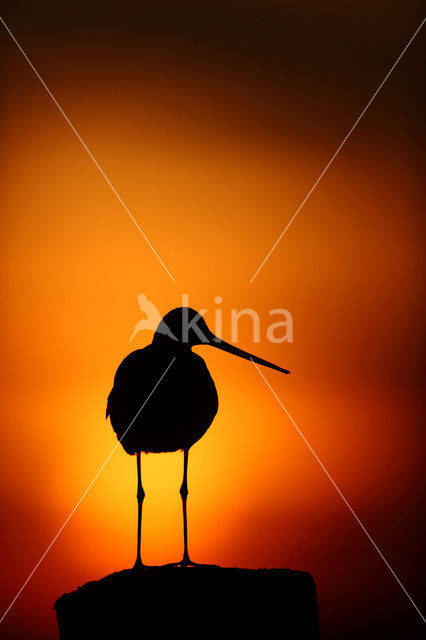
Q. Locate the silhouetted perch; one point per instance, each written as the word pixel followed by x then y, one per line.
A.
pixel 199 602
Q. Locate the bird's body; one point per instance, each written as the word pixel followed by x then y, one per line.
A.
pixel 175 417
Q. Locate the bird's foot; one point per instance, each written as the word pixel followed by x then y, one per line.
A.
pixel 138 565
pixel 187 562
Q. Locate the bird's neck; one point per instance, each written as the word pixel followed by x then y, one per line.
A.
pixel 174 346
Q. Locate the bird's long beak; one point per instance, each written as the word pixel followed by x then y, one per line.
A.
pixel 225 346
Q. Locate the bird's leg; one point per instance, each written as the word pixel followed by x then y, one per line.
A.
pixel 184 495
pixel 186 561
pixel 140 496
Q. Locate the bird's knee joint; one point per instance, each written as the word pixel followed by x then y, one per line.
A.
pixel 183 491
pixel 140 494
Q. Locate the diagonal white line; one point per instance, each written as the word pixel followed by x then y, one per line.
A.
pixel 97 165
pixel 342 496
pixel 339 148
pixel 80 500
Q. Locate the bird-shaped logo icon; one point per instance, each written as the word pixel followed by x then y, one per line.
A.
pixel 153 316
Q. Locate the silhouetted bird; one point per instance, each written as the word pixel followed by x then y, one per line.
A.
pixel 177 413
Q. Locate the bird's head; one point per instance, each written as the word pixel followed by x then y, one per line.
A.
pixel 186 327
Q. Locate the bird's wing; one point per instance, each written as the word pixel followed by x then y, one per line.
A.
pixel 142 299
pixel 150 310
pixel 108 407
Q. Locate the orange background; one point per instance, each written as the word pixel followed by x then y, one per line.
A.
pixel 213 135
